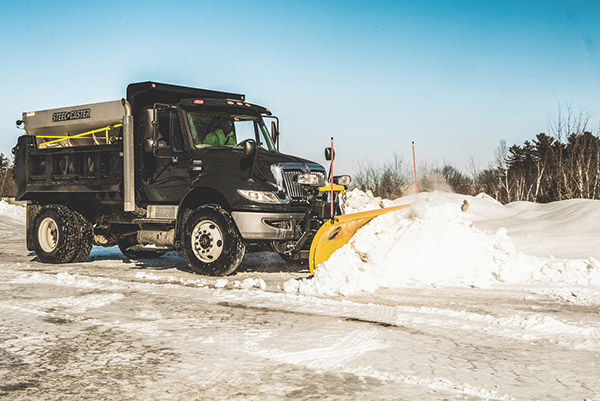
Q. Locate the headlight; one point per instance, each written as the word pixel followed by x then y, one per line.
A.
pixel 262 196
pixel 342 180
pixel 308 179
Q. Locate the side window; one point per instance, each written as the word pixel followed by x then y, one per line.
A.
pixel 163 136
pixel 169 134
pixel 176 133
pixel 245 130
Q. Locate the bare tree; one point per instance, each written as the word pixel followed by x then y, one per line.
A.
pixel 501 154
pixel 562 127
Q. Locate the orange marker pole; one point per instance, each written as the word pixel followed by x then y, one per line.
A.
pixel 415 169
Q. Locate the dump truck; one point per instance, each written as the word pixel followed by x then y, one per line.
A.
pixel 169 168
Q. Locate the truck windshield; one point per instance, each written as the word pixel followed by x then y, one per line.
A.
pixel 222 129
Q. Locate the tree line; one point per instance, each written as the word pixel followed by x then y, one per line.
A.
pixel 563 164
pixel 7 183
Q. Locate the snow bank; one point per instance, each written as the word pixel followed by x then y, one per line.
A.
pixel 564 229
pixel 435 243
pixel 15 212
pixel 359 201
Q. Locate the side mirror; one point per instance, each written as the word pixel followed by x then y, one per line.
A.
pixel 329 154
pixel 250 148
pixel 150 122
pixel 274 132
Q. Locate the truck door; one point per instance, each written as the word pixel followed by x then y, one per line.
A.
pixel 166 170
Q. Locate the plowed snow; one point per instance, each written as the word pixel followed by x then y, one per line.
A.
pixel 436 243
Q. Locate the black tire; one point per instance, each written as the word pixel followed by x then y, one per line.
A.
pixel 55 232
pixel 126 244
pixel 211 242
pixel 85 237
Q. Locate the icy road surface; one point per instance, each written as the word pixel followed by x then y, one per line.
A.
pixel 113 329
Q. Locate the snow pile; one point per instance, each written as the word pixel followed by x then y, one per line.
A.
pixel 221 283
pixel 434 243
pixel 245 284
pixel 563 229
pixel 359 201
pixel 253 283
pixel 13 211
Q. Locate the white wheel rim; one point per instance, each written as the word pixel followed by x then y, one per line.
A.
pixel 207 241
pixel 48 235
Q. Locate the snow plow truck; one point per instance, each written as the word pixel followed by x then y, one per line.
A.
pixel 173 168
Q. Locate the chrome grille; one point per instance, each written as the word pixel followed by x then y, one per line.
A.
pixel 294 189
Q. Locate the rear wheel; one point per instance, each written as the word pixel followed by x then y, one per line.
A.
pixel 85 237
pixel 55 234
pixel 211 242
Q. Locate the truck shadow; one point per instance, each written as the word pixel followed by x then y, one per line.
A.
pixel 258 262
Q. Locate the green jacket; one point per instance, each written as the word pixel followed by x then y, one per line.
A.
pixel 219 138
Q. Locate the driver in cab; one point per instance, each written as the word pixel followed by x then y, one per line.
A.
pixel 222 135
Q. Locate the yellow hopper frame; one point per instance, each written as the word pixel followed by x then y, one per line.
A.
pixel 60 138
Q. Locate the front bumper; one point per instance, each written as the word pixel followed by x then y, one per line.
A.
pixel 268 226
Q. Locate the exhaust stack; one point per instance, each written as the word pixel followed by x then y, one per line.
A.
pixel 128 164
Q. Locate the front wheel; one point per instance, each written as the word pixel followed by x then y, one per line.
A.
pixel 211 242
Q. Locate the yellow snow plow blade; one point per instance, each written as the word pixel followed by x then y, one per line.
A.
pixel 332 236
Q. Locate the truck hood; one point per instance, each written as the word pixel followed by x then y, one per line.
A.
pixel 215 161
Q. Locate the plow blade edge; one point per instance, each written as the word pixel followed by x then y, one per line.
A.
pixel 332 236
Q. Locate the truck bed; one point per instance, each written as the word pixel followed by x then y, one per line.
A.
pixel 97 168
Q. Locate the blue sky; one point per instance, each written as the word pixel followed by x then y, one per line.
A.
pixel 455 77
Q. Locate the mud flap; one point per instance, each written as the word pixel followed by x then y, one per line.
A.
pixel 31 211
pixel 332 236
